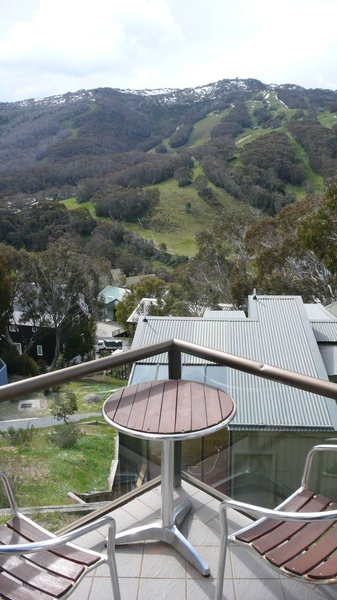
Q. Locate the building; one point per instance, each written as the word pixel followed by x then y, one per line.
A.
pixel 109 298
pixel 275 425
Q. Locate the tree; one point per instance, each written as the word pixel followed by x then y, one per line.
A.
pixel 221 259
pixel 5 294
pixel 57 285
pixel 319 230
pixel 282 263
pixel 184 176
pixel 169 299
pixel 63 406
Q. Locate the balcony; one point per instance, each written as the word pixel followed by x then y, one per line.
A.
pixel 154 570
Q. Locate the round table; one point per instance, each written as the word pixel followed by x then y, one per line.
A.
pixel 168 410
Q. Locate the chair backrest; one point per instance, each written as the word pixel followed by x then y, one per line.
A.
pixel 36 563
pixel 298 537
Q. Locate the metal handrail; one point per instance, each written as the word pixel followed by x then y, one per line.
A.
pixel 174 347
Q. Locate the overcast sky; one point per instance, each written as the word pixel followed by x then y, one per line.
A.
pixel 50 47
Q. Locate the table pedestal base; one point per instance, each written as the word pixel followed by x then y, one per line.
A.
pixel 169 534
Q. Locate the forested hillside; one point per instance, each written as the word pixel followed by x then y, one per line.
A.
pixel 261 144
pixel 213 191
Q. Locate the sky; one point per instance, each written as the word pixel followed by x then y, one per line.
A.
pixel 50 47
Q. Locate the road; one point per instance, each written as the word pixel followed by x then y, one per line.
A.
pixel 42 421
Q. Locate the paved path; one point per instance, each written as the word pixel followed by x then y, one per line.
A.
pixel 42 421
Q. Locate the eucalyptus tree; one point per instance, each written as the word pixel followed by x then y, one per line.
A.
pixel 5 294
pixel 57 287
pixel 289 253
pixel 219 272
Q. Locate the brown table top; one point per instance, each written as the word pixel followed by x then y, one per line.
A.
pixel 172 408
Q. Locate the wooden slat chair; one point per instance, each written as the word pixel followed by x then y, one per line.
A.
pixel 38 565
pixel 299 537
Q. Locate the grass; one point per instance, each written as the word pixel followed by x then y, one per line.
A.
pixel 176 226
pixel 171 223
pixel 328 119
pixel 102 385
pixel 45 473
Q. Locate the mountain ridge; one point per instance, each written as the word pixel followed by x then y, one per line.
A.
pixel 236 140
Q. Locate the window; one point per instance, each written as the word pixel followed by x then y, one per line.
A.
pixel 13 328
pixel 39 350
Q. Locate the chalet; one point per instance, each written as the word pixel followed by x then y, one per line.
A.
pixel 275 425
pixel 109 298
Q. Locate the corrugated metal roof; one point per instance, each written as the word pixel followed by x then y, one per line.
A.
pixel 224 314
pixel 318 312
pixel 329 356
pixel 325 331
pixel 111 293
pixel 141 309
pixel 277 332
pixel 323 322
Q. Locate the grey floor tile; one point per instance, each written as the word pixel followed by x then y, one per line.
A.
pixel 165 589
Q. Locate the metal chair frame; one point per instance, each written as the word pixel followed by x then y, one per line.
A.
pixel 36 544
pixel 293 543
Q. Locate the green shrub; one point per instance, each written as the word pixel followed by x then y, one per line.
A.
pixel 65 436
pixel 63 406
pixel 19 437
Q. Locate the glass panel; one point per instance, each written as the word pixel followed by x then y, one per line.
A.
pixel 162 372
pixel 261 467
pixel 195 373
pixel 267 466
pixel 143 373
pixel 216 376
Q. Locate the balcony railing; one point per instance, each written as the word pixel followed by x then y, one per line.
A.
pixel 175 348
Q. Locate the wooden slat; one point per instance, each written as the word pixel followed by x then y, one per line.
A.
pixel 297 543
pixel 11 589
pixel 125 405
pixel 256 531
pixel 327 570
pixel 287 529
pixel 152 407
pixel 137 416
pixel 169 408
pixel 28 530
pixel 184 408
pixel 226 404
pixel 36 577
pixel 153 410
pixel 213 407
pixel 199 415
pixel 315 555
pixel 47 560
pixel 112 403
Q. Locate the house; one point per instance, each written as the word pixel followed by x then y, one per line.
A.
pixel 39 342
pixel 3 373
pixel 324 325
pixel 109 297
pixel 140 312
pixel 24 334
pixel 275 425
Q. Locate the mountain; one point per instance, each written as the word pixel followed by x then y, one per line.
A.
pixel 229 141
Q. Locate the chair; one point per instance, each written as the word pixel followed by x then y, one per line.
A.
pixel 38 565
pixel 298 538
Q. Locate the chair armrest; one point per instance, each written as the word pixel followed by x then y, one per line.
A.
pixel 309 459
pixel 280 515
pixel 50 544
pixel 9 492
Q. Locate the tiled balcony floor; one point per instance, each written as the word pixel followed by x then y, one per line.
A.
pixel 153 570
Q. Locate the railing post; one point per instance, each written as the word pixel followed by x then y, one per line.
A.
pixel 174 372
